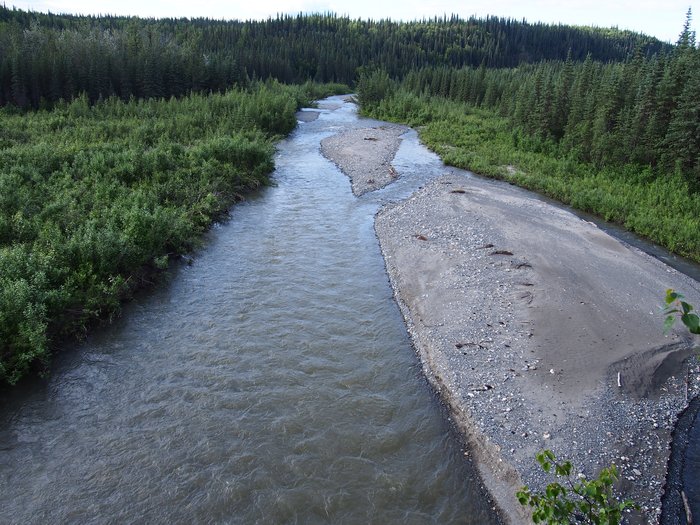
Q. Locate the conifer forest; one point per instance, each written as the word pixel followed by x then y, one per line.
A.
pixel 123 139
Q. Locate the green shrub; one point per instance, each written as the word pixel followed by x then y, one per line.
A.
pixel 575 500
pixel 94 198
pixel 677 308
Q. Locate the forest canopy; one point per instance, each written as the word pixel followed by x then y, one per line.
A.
pixel 47 57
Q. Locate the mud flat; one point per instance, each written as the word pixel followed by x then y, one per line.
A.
pixel 365 155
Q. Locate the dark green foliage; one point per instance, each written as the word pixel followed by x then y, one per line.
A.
pixel 45 58
pixel 373 86
pixel 581 500
pixel 675 308
pixel 94 199
pixel 644 112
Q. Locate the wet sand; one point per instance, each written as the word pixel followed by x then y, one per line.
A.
pixel 307 115
pixel 538 330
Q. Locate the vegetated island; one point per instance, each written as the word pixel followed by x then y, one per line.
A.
pixel 538 330
pixel 369 167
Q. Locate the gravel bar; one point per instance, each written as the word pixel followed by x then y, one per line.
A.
pixel 540 331
pixel 365 155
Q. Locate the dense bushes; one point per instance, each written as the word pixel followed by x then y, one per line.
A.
pixel 95 198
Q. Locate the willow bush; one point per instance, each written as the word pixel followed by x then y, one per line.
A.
pixel 95 198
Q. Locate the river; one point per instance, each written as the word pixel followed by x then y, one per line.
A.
pixel 271 381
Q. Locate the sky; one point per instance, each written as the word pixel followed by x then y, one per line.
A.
pixel 660 18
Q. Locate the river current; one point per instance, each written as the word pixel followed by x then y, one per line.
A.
pixel 271 381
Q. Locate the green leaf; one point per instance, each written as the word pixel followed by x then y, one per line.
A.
pixel 671 296
pixel 589 500
pixel 692 321
pixel 564 469
pixel 668 323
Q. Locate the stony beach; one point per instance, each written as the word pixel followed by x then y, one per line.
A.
pixel 365 155
pixel 537 329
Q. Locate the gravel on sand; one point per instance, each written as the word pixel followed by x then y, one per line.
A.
pixel 365 155
pixel 540 331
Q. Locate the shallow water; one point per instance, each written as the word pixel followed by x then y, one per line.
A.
pixel 272 381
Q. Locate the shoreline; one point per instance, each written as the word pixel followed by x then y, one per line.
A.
pixel 523 315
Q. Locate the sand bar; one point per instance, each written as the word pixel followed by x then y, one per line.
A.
pixel 365 155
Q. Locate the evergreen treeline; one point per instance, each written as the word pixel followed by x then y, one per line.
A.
pixel 643 110
pixel 621 140
pixel 95 198
pixel 46 57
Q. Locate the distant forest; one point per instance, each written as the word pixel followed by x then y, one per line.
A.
pixel 642 110
pixel 47 57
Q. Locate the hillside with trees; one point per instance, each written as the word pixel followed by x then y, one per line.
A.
pixel 46 57
pixel 619 139
pixel 642 110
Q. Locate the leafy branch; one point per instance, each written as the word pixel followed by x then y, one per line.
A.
pixel 677 308
pixel 577 500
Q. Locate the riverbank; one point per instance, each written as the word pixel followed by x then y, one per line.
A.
pixel 97 199
pixel 661 207
pixel 539 331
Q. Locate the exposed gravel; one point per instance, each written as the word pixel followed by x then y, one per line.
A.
pixel 365 155
pixel 523 316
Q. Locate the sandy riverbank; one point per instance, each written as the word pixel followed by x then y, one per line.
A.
pixel 538 330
